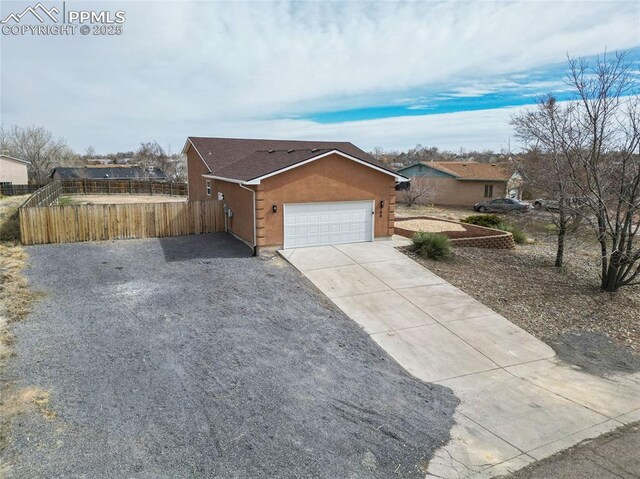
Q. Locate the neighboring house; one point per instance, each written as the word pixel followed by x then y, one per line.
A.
pixel 108 172
pixel 515 186
pixel 458 183
pixel 99 161
pixel 280 193
pixel 14 170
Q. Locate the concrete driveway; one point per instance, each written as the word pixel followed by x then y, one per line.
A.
pixel 187 358
pixel 518 403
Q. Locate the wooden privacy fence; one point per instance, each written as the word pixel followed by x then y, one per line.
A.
pixel 75 223
pixel 45 195
pixel 9 189
pixel 119 187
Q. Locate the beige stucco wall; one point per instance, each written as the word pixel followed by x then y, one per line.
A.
pixel 196 183
pixel 333 178
pixel 452 192
pixel 13 171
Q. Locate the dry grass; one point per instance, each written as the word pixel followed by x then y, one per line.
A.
pixel 16 301
pixel 9 225
pixel 16 298
pixel 119 199
pixel 26 400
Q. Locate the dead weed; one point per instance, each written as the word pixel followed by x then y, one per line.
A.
pixel 16 301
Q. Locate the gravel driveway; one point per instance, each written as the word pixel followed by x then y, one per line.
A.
pixel 184 357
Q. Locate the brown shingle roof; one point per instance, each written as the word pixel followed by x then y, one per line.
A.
pixel 246 159
pixel 468 170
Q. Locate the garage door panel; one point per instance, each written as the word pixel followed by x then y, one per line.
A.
pixel 327 223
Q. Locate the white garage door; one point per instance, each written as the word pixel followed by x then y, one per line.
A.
pixel 310 224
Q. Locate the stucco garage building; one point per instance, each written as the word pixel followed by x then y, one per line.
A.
pixel 282 193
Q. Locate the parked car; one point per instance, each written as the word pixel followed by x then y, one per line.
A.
pixel 502 205
pixel 545 204
pixel 572 203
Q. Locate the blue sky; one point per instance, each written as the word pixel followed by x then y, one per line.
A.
pixel 489 92
pixel 390 74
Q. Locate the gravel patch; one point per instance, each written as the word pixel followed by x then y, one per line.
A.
pixel 611 456
pixel 595 353
pixel 183 357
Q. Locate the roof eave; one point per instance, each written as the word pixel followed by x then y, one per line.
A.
pixel 26 162
pixel 256 181
pixel 482 179
pixel 185 148
pixel 222 178
pixel 433 167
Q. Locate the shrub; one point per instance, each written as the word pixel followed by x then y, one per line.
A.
pixel 432 245
pixel 519 236
pixel 488 221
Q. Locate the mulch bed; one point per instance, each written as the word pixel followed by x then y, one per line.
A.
pixel 525 287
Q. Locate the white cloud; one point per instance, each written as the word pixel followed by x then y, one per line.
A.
pixel 185 66
pixel 472 130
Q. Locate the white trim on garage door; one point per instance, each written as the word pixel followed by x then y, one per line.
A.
pixel 313 224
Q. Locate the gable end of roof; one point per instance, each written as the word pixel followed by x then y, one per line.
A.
pixel 399 178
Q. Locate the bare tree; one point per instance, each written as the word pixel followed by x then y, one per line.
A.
pixel 605 160
pixel 419 191
pixel 150 155
pixel 90 152
pixel 38 146
pixel 546 167
pixel 179 170
pixel 599 137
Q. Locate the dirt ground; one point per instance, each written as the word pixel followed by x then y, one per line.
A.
pixel 551 303
pixel 612 456
pixel 121 199
pixel 446 212
pixel 430 226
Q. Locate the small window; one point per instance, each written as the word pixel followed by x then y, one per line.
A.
pixel 488 191
pixel 208 188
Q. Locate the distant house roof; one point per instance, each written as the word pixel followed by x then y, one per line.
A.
pixel 111 172
pixel 249 160
pixel 468 170
pixel 11 158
